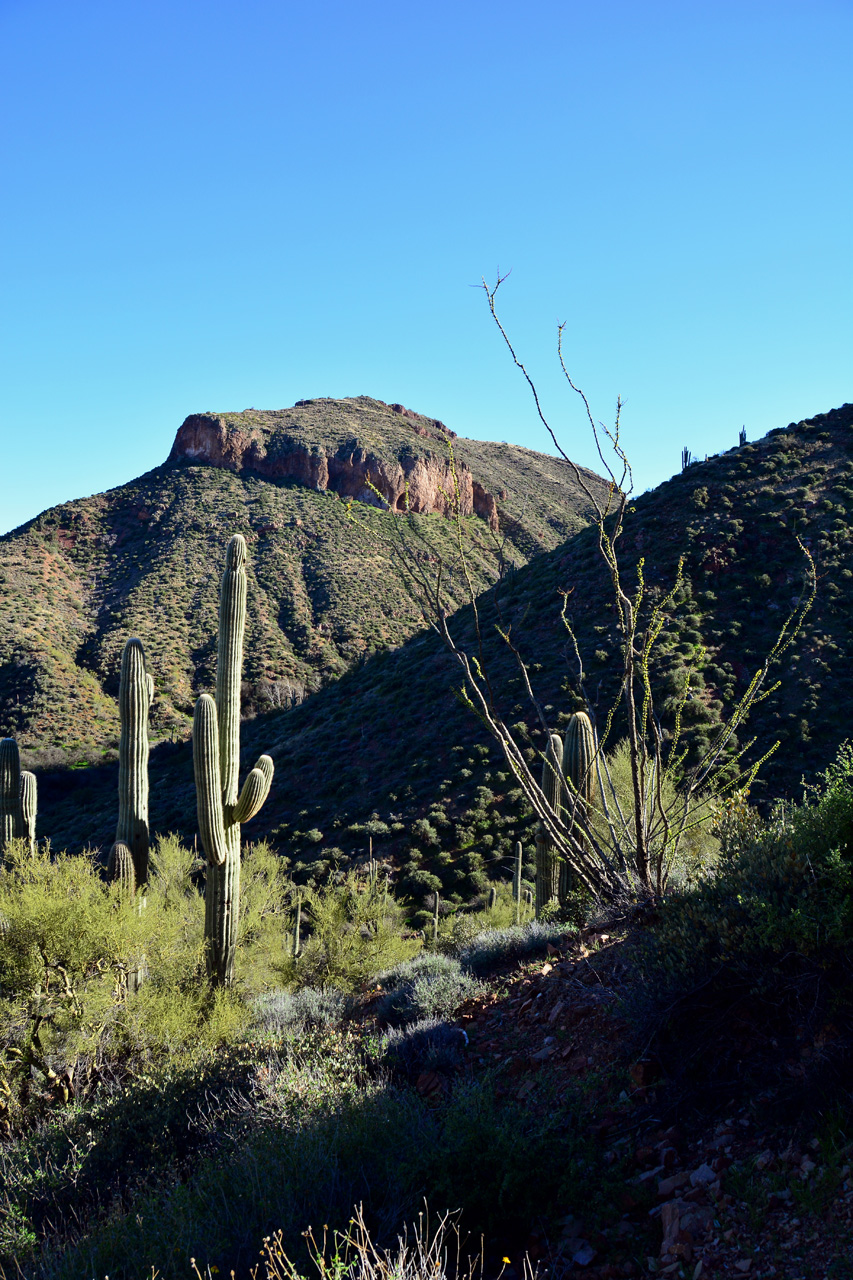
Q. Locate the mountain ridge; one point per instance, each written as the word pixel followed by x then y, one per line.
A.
pixel 145 557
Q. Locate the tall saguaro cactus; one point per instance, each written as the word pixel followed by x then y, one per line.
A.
pixel 136 692
pixel 547 861
pixel 17 798
pixel 216 757
pixel 579 768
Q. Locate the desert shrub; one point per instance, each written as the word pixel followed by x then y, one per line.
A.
pixel 428 1045
pixel 699 845
pixel 429 986
pixel 516 942
pixel 295 1012
pixel 355 931
pixel 68 950
pixel 303 1138
pixel 783 885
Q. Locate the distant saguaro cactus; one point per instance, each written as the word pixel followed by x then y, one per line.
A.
pixel 216 758
pixel 135 695
pixel 17 798
pixel 579 768
pixel 516 880
pixel 547 863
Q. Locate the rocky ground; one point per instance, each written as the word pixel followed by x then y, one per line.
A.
pixel 735 1190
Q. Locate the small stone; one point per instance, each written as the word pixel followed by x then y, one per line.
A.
pixel 703 1176
pixel 743 1265
pixel 584 1255
pixel 667 1186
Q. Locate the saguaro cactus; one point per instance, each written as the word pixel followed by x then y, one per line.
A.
pixel 547 863
pixel 216 757
pixel 11 820
pixel 17 798
pixel 579 768
pixel 516 881
pixel 29 806
pixel 136 692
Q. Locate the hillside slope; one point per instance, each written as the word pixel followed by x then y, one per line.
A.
pixel 389 753
pixel 145 559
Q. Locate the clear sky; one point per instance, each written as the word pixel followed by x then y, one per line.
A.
pixel 217 205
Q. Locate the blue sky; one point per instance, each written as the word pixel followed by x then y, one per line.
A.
pixel 216 206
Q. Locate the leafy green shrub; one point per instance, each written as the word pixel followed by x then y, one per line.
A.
pixel 783 885
pixel 355 931
pixel 68 950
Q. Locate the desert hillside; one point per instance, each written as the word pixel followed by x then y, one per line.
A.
pixel 144 559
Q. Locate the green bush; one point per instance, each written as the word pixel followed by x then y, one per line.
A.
pixel 69 951
pixel 783 885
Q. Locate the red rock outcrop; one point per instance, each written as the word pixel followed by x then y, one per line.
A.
pixel 425 481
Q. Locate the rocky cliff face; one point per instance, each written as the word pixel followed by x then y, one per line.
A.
pixel 418 476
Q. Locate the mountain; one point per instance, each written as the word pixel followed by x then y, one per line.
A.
pixel 388 753
pixel 145 559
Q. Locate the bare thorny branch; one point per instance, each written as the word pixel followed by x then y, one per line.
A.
pixel 613 852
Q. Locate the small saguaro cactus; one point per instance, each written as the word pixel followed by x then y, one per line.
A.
pixel 436 908
pixel 547 862
pixel 493 898
pixel 579 768
pixel 17 798
pixel 297 928
pixel 135 695
pixel 516 881
pixel 216 757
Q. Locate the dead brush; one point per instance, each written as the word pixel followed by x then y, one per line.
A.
pixel 422 1254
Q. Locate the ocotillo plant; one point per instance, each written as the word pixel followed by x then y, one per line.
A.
pixel 516 881
pixel 17 798
pixel 579 768
pixel 547 864
pixel 136 692
pixel 216 757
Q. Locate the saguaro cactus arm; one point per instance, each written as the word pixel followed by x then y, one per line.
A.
pixel 207 787
pixel 120 868
pixel 256 788
pixel 29 806
pixel 579 756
